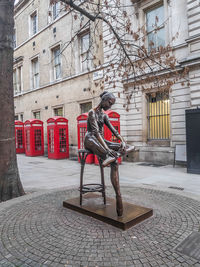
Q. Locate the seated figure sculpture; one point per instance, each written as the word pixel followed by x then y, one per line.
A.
pixel 108 151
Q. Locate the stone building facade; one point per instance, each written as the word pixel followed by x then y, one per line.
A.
pixel 156 138
pixel 51 77
pixel 48 83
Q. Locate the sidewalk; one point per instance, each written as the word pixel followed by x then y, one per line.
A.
pixel 36 230
pixel 42 173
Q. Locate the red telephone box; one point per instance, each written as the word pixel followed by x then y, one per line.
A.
pixel 34 138
pixel 58 138
pixel 19 137
pixel 114 119
pixel 82 129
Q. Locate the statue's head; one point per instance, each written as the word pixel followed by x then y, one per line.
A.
pixel 107 100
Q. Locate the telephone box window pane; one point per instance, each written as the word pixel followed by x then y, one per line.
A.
pixel 38 140
pixel 28 140
pixel 82 136
pixel 62 140
pixel 114 138
pixel 19 138
pixel 51 140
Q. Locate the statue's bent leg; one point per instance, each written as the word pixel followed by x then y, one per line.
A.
pixel 93 145
pixel 114 176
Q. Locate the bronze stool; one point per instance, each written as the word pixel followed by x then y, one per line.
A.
pixel 86 188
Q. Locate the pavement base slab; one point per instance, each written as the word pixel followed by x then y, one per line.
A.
pixel 39 231
pixel 190 246
pixel 94 207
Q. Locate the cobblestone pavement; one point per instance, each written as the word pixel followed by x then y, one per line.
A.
pixel 38 231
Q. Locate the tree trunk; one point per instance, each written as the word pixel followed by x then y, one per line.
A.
pixel 10 184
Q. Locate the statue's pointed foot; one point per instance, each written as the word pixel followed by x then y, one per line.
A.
pixel 119 206
pixel 130 149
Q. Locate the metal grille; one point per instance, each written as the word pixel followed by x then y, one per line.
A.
pixel 159 117
pixel 19 137
pixel 82 136
pixel 62 140
pixel 28 140
pixel 51 140
pixel 38 139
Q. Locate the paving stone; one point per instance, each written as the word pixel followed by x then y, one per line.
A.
pixel 39 232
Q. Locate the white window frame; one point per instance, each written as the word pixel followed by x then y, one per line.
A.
pixel 161 27
pixel 84 103
pixel 86 64
pixel 56 9
pixel 19 116
pixel 35 73
pixel 14 38
pixel 36 111
pixel 56 65
pixel 58 107
pixel 33 31
pixel 17 79
pixel 22 117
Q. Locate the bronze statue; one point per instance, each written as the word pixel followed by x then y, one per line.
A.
pixel 106 150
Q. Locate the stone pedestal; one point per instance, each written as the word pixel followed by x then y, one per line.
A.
pixel 94 207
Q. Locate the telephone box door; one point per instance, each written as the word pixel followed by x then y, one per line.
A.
pixel 19 137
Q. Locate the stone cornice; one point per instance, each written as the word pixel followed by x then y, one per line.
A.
pixel 20 5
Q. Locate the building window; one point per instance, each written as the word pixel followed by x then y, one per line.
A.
pixel 36 115
pixel 158 116
pixel 33 23
pixel 14 39
pixel 56 10
pixel 85 55
pixel 155 20
pixel 56 63
pixel 35 73
pixel 17 80
pixel 22 117
pixel 58 111
pixel 16 117
pixel 20 79
pixel 85 107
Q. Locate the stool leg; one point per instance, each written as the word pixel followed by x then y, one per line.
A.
pixel 102 180
pixel 82 160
